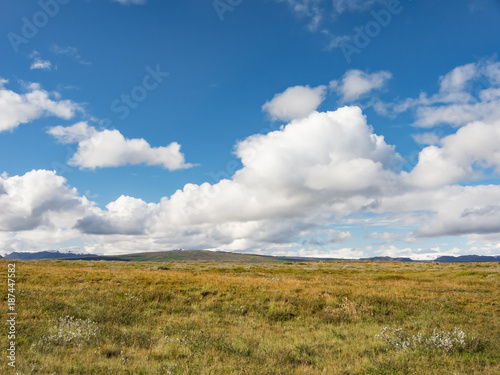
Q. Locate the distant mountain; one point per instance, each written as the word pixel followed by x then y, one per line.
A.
pixel 205 256
pixel 468 258
pixel 388 259
pixel 51 254
pixel 202 256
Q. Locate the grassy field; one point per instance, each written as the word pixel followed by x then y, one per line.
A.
pixel 82 317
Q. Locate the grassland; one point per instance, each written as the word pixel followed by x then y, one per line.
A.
pixel 84 317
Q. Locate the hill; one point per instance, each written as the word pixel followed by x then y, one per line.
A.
pixel 206 256
pixel 468 258
pixel 50 254
pixel 202 256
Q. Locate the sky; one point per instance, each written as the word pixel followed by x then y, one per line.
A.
pixel 318 128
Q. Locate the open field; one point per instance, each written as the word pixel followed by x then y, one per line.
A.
pixel 82 317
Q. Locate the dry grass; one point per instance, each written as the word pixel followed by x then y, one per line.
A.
pixel 316 318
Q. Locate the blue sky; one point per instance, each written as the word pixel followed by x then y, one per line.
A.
pixel 342 128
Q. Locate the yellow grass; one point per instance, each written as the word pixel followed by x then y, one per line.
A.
pixel 221 318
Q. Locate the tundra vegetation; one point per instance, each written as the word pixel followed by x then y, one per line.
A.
pixel 84 317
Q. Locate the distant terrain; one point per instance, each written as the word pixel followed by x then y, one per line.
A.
pixel 224 256
pixel 45 255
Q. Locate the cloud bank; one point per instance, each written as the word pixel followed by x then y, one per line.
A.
pixel 300 189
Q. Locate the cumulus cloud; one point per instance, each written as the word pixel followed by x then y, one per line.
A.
pixel 325 237
pixel 461 157
pixel 126 215
pixel 294 184
pixel 16 109
pixel 457 80
pixel 291 182
pixel 457 114
pixel 295 102
pixel 450 210
pixel 37 199
pixel 109 148
pixel 356 83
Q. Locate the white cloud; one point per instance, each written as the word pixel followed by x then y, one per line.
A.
pixel 295 184
pixel 38 211
pixel 492 72
pixel 316 11
pixel 16 109
pixel 109 148
pixel 286 188
pixel 325 237
pixel 461 157
pixel 313 10
pixel 388 237
pixel 68 51
pixel 457 114
pixel 76 133
pixel 295 102
pixel 467 93
pixel 451 210
pixel 429 138
pixel 355 84
pixel 336 40
pixel 353 5
pixel 38 199
pixel 41 64
pixel 321 15
pixel 130 2
pixel 457 80
pixel 415 254
pixel 126 215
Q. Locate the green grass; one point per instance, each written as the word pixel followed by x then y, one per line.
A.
pixel 82 317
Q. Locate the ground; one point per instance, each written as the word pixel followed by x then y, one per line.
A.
pixel 85 317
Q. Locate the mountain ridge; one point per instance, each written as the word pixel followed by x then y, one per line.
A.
pixel 224 256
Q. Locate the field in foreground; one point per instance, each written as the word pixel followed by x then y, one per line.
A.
pixel 83 317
